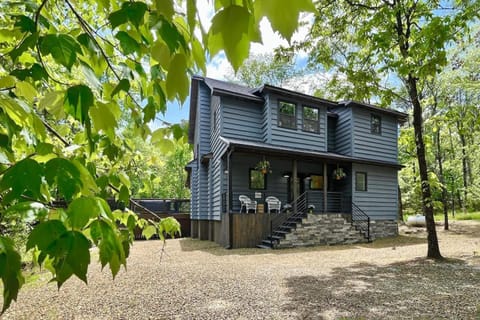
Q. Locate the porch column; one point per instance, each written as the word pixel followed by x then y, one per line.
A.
pixel 294 184
pixel 325 187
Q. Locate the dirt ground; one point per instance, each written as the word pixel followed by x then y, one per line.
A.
pixel 387 279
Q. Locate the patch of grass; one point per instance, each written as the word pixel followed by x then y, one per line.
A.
pixel 458 216
pixel 468 216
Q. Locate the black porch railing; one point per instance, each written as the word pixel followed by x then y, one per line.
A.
pixel 293 210
pixel 361 220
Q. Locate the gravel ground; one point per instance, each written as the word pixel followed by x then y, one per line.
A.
pixel 388 279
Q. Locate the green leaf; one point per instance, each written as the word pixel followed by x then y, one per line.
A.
pixel 103 119
pixel 53 103
pixel 65 175
pixel 45 234
pixel 72 256
pixel 123 85
pixel 149 231
pixel 36 72
pixel 62 47
pixel 171 35
pixel 18 112
pixel 109 245
pixel 169 226
pixel 25 177
pixel 81 210
pixel 78 100
pixel 25 90
pixel 10 271
pixel 7 82
pixel 130 11
pixel 283 14
pixel 177 80
pixel 24 23
pixel 165 7
pixel 232 30
pixel 124 194
pixel 128 44
pixel 28 42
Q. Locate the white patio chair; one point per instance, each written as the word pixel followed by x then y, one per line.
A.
pixel 273 204
pixel 247 203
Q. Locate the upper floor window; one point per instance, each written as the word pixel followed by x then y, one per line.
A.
pixel 376 124
pixel 286 115
pixel 311 121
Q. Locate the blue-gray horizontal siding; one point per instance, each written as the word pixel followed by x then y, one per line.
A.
pixel 203 140
pixel 297 138
pixel 343 135
pixel 374 146
pixel 215 165
pixel 242 119
pixel 380 199
pixel 276 183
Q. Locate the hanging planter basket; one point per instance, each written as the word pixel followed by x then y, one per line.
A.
pixel 339 174
pixel 263 167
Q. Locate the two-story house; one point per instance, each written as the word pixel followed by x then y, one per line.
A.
pixel 332 166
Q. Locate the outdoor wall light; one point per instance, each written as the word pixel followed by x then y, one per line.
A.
pixel 286 175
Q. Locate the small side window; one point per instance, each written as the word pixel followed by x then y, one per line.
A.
pixel 311 121
pixel 376 124
pixel 287 115
pixel 360 181
pixel 257 180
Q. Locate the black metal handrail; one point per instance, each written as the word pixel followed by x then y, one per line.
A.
pixel 298 207
pixel 361 220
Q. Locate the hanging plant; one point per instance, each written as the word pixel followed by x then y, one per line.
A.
pixel 263 167
pixel 339 174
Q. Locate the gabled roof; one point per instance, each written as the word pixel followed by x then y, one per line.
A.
pixel 402 117
pixel 224 88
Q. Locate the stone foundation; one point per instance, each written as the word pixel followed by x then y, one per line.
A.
pixel 322 229
pixel 383 229
pixel 334 228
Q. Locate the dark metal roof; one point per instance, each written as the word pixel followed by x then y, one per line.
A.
pixel 253 146
pixel 296 94
pixel 224 88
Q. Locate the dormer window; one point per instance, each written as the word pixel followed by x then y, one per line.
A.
pixel 286 115
pixel 376 124
pixel 311 121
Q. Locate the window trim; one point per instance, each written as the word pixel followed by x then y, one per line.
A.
pixel 372 116
pixel 294 114
pixel 250 180
pixel 317 121
pixel 366 181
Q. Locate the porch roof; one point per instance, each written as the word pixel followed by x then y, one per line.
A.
pixel 253 146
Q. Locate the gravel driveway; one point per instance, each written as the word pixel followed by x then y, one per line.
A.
pixel 199 280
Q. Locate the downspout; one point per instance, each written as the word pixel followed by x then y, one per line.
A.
pixel 228 198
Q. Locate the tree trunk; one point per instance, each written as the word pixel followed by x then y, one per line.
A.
pixel 433 248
